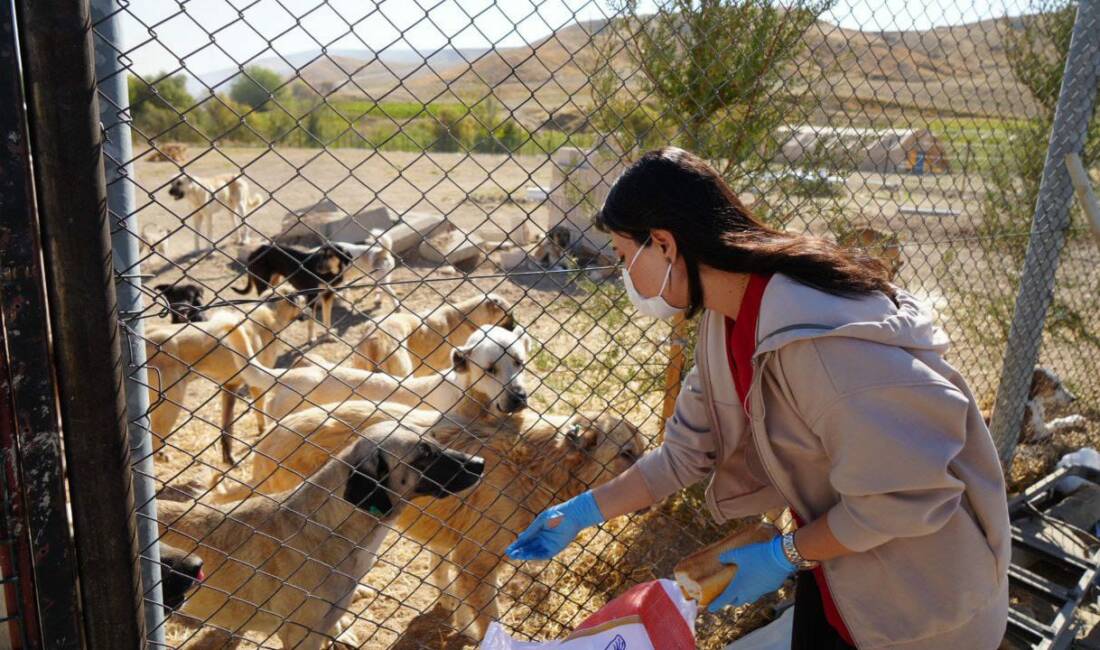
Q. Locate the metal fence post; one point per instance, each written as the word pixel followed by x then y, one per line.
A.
pixel 66 142
pixel 1048 229
pixel 114 105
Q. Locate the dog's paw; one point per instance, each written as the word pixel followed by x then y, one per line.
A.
pixel 1067 423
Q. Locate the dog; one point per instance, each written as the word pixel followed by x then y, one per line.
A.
pixel 404 344
pixel 1046 390
pixel 184 302
pixel 487 372
pixel 180 573
pixel 208 195
pixel 885 247
pixel 487 381
pixel 288 565
pixel 317 271
pixel 217 349
pixel 152 239
pixel 548 460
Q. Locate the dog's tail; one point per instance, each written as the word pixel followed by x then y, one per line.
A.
pixel 250 284
pixel 254 202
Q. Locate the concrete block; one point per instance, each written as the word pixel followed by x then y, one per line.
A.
pixel 452 247
pixel 414 228
pixel 356 228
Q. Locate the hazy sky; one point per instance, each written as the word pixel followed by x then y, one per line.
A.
pixel 244 28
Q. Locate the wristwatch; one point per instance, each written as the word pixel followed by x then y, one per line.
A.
pixel 794 557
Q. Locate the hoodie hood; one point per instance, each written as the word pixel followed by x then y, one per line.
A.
pixel 791 311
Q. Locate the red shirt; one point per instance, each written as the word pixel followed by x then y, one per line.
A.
pixel 740 346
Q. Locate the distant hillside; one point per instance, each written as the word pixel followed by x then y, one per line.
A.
pixel 958 70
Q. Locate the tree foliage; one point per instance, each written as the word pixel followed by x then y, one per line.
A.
pixel 717 73
pixel 256 87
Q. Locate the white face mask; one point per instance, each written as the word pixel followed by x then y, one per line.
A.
pixel 657 306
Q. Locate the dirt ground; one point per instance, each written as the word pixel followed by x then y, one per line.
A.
pixel 593 353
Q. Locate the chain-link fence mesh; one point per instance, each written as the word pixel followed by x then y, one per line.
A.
pixel 403 174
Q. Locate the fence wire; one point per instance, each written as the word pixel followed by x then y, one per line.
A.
pixel 402 175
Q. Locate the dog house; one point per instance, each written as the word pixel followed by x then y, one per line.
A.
pixel 888 151
pixel 581 182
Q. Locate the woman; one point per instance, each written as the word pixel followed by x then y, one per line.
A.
pixel 817 386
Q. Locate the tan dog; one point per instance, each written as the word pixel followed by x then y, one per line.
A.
pixel 548 460
pixel 404 344
pixel 488 369
pixel 218 349
pixel 209 195
pixel 487 382
pixel 886 247
pixel 288 565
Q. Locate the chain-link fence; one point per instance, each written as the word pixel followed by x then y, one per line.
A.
pixel 335 202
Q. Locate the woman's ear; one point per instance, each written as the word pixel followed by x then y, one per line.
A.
pixel 666 242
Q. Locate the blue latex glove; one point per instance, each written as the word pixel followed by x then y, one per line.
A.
pixel 761 569
pixel 554 528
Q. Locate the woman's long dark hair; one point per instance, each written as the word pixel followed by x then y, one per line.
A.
pixel 675 190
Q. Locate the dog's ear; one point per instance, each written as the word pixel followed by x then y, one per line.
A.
pixel 161 288
pixel 459 359
pixel 366 488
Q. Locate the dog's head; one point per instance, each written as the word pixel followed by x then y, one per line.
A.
pixel 179 187
pixel 289 307
pixel 180 573
pixel 491 367
pixel 602 448
pixel 489 309
pixel 1047 387
pixel 884 246
pixel 392 464
pixel 184 302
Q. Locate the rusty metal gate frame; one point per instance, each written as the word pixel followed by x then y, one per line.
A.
pixel 69 510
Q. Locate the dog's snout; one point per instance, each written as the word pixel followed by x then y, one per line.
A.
pixel 517 399
pixel 451 472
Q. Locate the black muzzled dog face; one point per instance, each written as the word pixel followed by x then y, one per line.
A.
pixel 176 190
pixel 184 302
pixel 516 400
pixel 445 472
pixel 438 472
pixel 180 572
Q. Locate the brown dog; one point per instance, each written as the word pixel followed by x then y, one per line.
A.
pixel 885 247
pixel 404 344
pixel 549 460
pixel 217 349
pixel 288 565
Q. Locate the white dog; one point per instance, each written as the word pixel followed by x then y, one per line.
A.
pixel 208 195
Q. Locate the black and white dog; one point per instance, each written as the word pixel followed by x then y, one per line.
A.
pixel 317 271
pixel 1047 390
pixel 184 302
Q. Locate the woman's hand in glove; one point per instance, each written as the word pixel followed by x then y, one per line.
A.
pixel 555 527
pixel 761 569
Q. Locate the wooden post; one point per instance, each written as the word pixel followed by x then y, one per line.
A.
pixel 675 370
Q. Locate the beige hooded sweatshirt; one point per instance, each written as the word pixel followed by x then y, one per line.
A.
pixel 856 417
